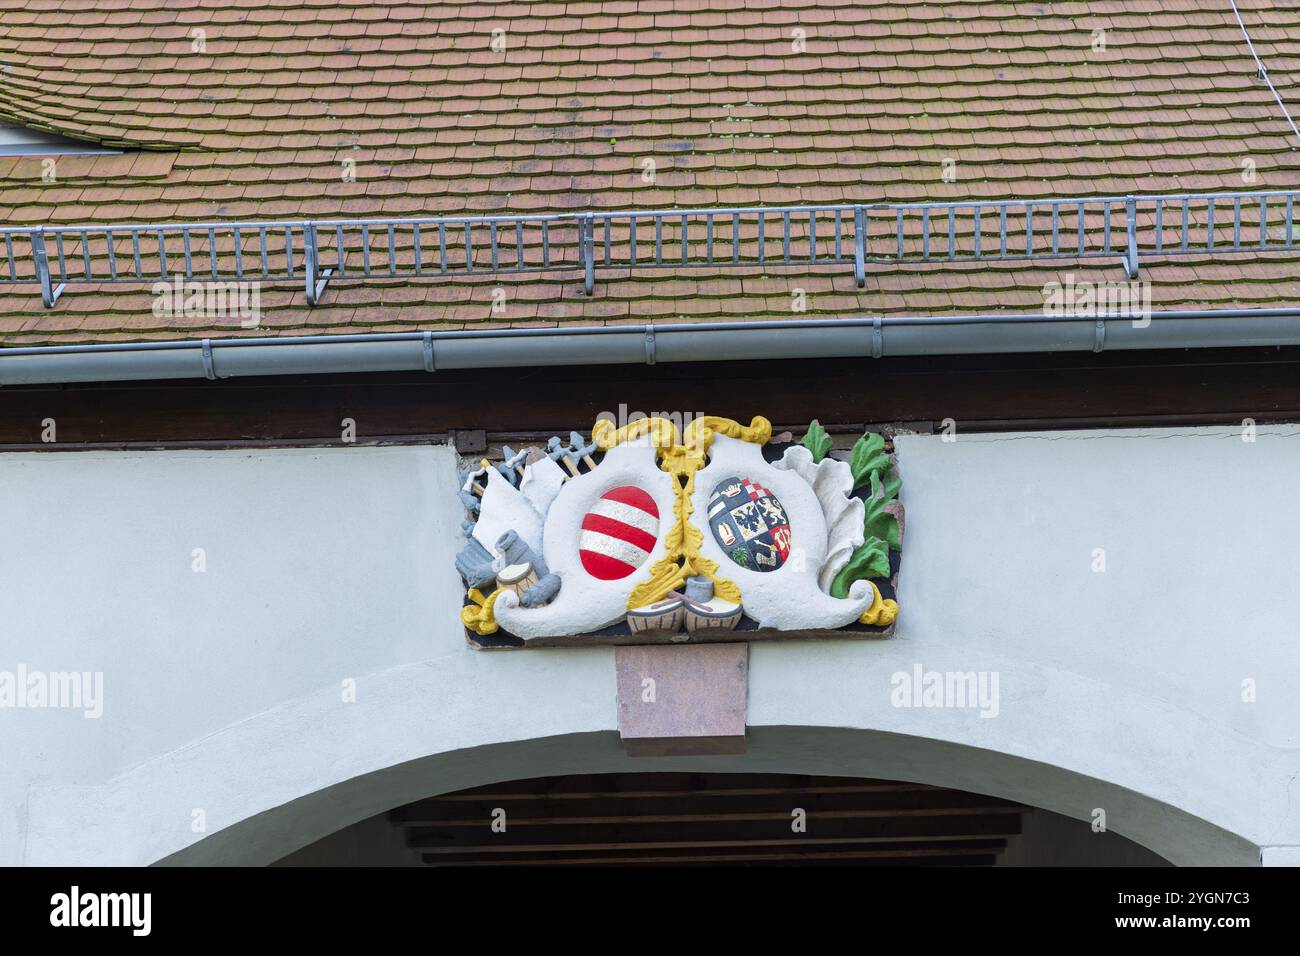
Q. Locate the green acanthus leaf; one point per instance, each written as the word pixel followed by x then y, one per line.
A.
pixel 868 457
pixel 871 560
pixel 879 522
pixel 817 441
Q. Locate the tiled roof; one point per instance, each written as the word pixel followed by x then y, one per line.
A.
pixel 738 102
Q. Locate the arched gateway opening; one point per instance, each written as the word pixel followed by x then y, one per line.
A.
pixel 713 819
pixel 824 771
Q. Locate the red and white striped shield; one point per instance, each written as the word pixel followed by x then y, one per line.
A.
pixel 618 533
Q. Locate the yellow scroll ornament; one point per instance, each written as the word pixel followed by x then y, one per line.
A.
pixel 883 611
pixel 480 616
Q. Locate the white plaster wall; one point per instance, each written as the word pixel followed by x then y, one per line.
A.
pixel 1119 690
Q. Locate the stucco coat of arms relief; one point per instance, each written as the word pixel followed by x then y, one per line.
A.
pixel 654 534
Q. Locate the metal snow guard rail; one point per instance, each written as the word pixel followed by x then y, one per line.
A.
pixel 316 252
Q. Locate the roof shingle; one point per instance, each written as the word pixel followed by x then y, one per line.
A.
pixel 738 102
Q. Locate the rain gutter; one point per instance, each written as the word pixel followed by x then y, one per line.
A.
pixel 645 344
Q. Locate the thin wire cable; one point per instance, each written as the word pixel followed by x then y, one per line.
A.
pixel 1263 70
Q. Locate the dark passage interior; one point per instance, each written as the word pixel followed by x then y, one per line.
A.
pixel 704 819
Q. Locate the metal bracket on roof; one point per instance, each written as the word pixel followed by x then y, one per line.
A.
pixel 860 246
pixel 49 292
pixel 1131 257
pixel 313 297
pixel 1099 343
pixel 650 345
pixel 313 286
pixel 430 365
pixel 587 249
pixel 877 337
